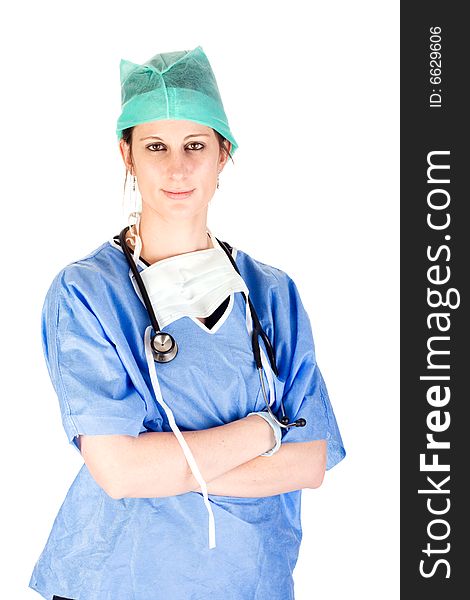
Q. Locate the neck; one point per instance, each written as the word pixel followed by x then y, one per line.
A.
pixel 161 239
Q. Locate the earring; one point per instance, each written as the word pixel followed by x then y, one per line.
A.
pixel 134 219
pixel 135 197
pixel 218 180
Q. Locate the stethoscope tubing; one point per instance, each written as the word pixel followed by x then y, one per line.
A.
pixel 257 329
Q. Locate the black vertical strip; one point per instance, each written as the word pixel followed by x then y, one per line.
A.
pixel 434 271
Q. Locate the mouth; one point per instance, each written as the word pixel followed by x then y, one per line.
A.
pixel 178 194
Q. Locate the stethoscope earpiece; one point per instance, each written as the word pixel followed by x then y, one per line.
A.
pixel 299 423
pixel 164 347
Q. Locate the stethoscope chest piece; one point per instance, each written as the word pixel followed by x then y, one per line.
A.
pixel 164 347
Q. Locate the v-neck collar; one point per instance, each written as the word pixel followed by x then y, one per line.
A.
pixel 221 320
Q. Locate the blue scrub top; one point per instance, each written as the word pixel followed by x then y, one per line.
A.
pixel 102 548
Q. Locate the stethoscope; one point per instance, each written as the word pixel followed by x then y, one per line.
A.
pixel 165 348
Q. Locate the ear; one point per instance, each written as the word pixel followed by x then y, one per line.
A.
pixel 224 155
pixel 125 153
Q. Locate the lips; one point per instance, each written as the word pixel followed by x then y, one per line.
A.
pixel 178 194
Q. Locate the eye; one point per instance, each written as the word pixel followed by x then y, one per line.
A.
pixel 196 143
pixel 150 146
pixel 156 144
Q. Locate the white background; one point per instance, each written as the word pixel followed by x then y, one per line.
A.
pixel 311 92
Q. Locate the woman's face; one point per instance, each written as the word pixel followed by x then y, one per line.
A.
pixel 174 156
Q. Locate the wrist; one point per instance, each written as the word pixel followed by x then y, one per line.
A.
pixel 276 435
pixel 264 432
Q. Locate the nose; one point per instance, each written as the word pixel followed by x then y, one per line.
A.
pixel 177 167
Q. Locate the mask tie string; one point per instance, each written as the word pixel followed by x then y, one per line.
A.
pixel 186 449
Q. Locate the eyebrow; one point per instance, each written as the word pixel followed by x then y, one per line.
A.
pixel 155 137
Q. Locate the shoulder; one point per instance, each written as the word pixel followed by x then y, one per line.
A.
pixel 88 275
pixel 254 268
pixel 266 282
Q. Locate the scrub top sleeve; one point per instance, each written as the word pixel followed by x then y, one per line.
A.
pixel 96 395
pixel 305 393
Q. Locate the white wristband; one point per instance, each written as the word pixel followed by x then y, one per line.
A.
pixel 275 427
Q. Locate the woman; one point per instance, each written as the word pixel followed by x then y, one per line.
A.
pixel 167 442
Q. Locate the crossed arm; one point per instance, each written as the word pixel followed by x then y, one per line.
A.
pixel 153 464
pixel 296 465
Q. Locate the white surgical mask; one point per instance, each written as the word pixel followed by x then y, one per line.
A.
pixel 192 284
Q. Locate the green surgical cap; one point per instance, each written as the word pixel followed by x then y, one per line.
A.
pixel 172 85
